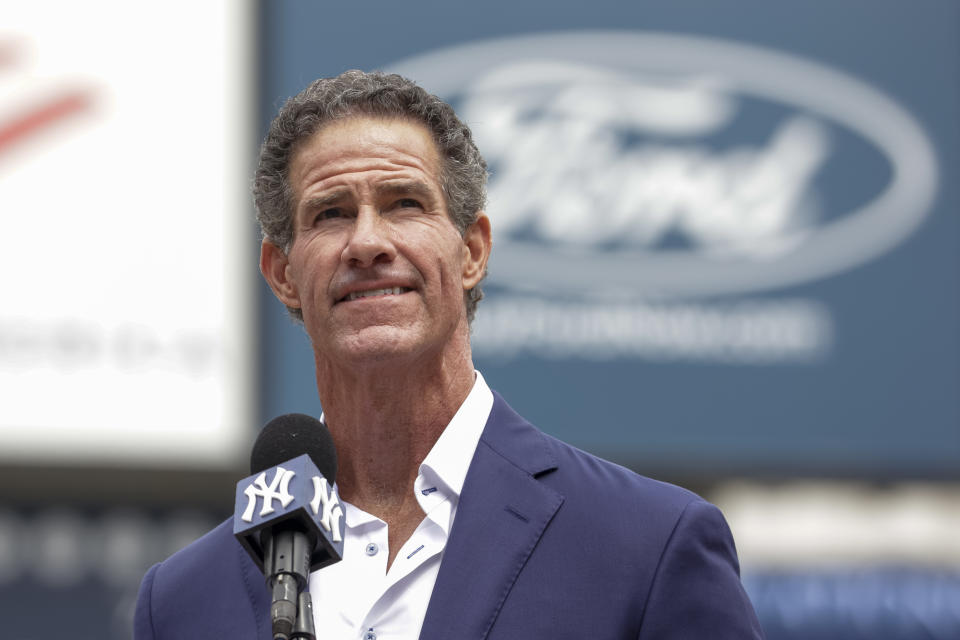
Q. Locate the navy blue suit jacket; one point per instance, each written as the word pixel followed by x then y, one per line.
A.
pixel 548 542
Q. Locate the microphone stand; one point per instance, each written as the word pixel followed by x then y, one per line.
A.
pixel 303 628
pixel 287 567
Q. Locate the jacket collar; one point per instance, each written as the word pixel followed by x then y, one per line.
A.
pixel 501 516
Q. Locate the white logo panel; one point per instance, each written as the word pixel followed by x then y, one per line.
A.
pixel 278 489
pixel 326 504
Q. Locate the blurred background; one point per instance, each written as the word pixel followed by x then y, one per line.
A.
pixel 725 255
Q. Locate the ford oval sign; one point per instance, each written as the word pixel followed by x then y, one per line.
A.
pixel 669 166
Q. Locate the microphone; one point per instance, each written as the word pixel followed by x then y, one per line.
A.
pixel 298 526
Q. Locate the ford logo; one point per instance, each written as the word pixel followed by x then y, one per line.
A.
pixel 671 166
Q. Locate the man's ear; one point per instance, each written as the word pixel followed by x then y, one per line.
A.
pixel 275 267
pixel 476 251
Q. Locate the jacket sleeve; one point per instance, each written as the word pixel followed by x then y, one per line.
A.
pixel 143 617
pixel 696 591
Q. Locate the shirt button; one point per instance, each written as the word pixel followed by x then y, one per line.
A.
pixel 370 635
pixel 371 550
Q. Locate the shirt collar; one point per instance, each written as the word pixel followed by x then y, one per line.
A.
pixel 444 470
pixel 451 454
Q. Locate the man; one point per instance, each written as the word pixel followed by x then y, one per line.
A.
pixel 462 520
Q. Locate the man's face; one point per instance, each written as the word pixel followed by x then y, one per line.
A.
pixel 376 265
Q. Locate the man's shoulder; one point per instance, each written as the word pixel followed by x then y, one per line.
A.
pixel 213 547
pixel 666 553
pixel 210 558
pixel 199 585
pixel 581 477
pixel 607 478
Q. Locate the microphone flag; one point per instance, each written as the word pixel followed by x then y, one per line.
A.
pixel 293 494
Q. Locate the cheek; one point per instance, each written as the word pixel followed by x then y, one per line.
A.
pixel 452 284
pixel 448 273
pixel 309 279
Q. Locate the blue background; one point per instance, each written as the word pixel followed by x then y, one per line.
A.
pixel 882 403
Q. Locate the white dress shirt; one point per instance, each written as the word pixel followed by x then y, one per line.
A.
pixel 357 598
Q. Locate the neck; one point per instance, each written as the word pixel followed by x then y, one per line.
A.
pixel 384 419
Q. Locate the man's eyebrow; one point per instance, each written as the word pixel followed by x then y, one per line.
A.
pixel 404 188
pixel 325 200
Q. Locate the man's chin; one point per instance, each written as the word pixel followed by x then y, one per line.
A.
pixel 377 343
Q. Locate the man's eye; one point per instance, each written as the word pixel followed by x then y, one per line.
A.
pixel 329 214
pixel 407 203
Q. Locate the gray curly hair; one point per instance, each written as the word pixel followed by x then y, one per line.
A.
pixel 357 93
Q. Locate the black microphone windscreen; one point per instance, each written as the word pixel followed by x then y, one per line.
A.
pixel 291 435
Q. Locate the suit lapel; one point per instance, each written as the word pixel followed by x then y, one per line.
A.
pixel 502 513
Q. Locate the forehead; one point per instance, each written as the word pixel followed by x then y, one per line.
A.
pixel 359 145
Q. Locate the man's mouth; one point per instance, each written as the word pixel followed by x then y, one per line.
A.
pixel 390 291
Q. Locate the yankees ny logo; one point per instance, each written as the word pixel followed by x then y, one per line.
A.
pixel 268 493
pixel 330 520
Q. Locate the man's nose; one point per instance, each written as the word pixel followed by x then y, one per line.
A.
pixel 369 241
